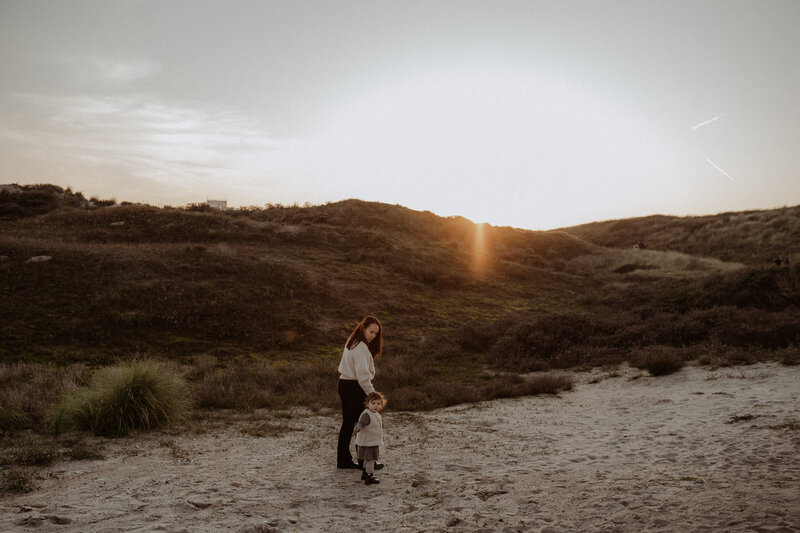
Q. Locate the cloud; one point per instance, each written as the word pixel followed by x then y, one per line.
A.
pixel 93 69
pixel 144 147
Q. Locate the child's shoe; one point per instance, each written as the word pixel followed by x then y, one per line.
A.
pixel 364 475
pixel 371 480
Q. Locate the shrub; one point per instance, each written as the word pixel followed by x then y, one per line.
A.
pixel 11 419
pixel 436 395
pixel 547 384
pixel 15 481
pixel 475 336
pixel 30 450
pixel 659 360
pixel 751 328
pixel 140 394
pixel 511 386
pixel 791 356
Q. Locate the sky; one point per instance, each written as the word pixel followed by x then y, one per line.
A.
pixel 536 114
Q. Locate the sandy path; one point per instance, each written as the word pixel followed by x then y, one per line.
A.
pixel 622 454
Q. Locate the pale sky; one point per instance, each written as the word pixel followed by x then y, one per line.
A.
pixel 533 114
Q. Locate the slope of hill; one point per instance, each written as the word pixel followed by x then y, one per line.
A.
pixel 139 278
pixel 752 237
pixel 239 295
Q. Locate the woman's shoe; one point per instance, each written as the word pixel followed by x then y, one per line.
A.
pixel 371 480
pixel 378 466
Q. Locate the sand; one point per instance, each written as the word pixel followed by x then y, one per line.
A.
pixel 700 450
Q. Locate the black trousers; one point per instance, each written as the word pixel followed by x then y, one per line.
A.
pixel 352 396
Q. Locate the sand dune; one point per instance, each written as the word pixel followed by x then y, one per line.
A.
pixel 699 450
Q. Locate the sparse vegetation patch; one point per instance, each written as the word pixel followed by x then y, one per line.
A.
pixel 16 481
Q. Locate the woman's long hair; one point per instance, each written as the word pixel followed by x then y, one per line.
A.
pixel 376 346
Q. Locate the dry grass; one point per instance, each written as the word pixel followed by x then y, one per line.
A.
pixel 658 360
pixel 249 385
pixel 29 450
pixel 28 390
pixel 138 394
pixel 432 396
pixel 751 237
pixel 647 263
pixel 16 481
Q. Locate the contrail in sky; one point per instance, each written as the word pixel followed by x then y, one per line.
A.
pixel 710 162
pixel 706 122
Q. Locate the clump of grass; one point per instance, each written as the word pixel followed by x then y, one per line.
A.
pixel 548 384
pixel 11 419
pixel 791 356
pixel 16 481
pixel 140 394
pixel 659 360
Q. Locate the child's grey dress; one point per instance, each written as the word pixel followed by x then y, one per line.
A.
pixel 370 435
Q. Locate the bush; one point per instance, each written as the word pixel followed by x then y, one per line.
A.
pixel 436 395
pixel 791 356
pixel 476 336
pixel 30 450
pixel 659 360
pixel 15 481
pixel 548 384
pixel 11 419
pixel 141 394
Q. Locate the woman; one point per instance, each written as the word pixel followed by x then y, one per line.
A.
pixel 356 371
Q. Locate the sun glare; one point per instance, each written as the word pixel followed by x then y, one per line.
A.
pixel 480 251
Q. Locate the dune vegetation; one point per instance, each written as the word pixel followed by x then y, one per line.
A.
pixel 249 308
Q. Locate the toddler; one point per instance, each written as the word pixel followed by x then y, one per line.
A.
pixel 369 435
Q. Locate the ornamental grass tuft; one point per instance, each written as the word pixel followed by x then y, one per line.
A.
pixel 136 395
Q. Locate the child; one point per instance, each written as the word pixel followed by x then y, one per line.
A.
pixel 369 435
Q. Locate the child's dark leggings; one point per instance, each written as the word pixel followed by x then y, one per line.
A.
pixel 352 396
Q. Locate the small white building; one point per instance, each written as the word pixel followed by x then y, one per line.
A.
pixel 217 204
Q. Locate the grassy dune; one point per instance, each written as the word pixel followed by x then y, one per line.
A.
pixel 251 306
pixel 750 237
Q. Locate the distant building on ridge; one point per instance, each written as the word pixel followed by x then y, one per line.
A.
pixel 217 204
